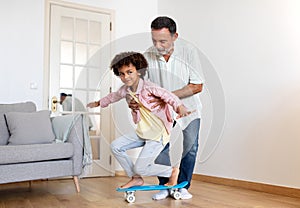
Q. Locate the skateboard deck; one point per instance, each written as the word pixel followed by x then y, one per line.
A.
pixel 130 192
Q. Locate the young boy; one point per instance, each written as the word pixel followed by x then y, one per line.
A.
pixel 153 124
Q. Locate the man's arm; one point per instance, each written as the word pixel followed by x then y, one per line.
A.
pixel 188 90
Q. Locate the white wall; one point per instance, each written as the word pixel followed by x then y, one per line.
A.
pixel 21 51
pixel 22 41
pixel 254 47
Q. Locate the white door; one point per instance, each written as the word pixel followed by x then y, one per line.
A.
pixel 79 56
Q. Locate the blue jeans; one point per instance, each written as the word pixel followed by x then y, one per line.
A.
pixel 189 154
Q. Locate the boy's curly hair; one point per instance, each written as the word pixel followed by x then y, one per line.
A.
pixel 127 58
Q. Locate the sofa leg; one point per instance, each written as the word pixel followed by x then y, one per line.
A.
pixel 30 185
pixel 76 181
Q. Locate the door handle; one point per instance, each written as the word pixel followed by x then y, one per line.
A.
pixel 54 104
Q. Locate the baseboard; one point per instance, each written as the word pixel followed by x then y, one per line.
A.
pixel 272 189
pixel 120 173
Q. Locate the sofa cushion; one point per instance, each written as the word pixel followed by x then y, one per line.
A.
pixel 10 154
pixel 16 107
pixel 29 128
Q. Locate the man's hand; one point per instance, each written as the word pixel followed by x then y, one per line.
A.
pixel 158 102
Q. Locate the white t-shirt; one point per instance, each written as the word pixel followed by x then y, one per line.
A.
pixel 182 68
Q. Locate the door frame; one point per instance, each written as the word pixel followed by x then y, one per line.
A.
pixel 46 74
pixel 48 4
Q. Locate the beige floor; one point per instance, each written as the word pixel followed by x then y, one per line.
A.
pixel 100 192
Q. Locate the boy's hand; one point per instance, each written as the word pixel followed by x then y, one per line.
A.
pixel 132 104
pixel 182 111
pixel 93 104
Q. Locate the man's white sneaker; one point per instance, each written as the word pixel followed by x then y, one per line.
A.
pixel 163 194
pixel 185 194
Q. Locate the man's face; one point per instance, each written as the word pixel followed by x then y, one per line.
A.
pixel 163 41
pixel 62 98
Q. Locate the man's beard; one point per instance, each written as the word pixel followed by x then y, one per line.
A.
pixel 165 51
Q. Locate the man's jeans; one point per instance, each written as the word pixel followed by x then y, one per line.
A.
pixel 189 154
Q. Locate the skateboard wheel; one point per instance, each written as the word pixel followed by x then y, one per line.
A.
pixel 130 198
pixel 176 195
pixel 128 193
pixel 172 191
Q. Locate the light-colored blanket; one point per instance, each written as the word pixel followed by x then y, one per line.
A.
pixel 62 126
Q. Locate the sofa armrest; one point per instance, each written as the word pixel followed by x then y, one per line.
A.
pixel 69 128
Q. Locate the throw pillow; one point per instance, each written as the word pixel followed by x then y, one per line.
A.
pixel 14 107
pixel 29 128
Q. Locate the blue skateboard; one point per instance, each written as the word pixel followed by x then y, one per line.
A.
pixel 130 192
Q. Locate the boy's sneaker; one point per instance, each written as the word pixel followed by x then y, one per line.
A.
pixel 163 194
pixel 185 194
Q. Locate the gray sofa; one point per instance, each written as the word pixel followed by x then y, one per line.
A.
pixel 25 159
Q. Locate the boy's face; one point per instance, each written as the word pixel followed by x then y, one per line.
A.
pixel 163 41
pixel 129 76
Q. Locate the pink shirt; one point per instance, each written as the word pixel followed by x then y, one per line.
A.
pixel 145 88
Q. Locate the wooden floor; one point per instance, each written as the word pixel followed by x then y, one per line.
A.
pixel 100 192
